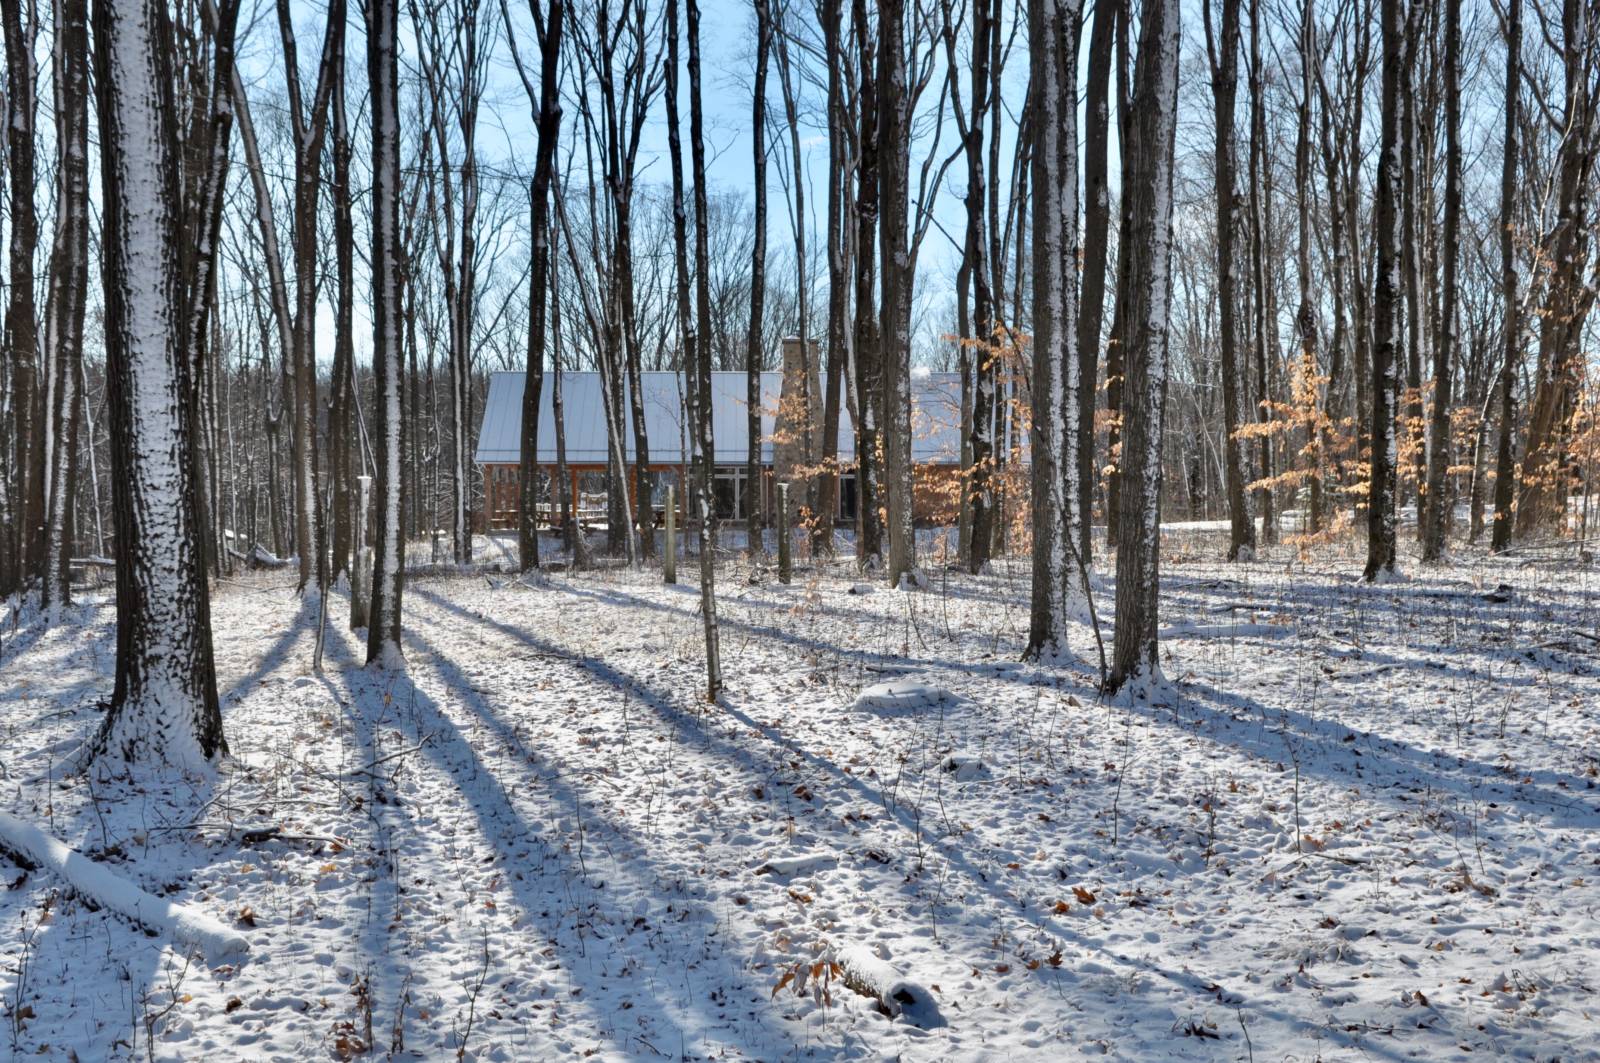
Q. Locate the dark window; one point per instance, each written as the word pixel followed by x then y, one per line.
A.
pixel 847 496
pixel 725 495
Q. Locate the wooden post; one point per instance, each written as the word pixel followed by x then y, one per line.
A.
pixel 669 559
pixel 783 534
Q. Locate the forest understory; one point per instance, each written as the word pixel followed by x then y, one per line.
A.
pixel 1360 822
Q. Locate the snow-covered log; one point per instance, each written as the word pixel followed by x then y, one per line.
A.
pixel 787 866
pixel 260 557
pixel 900 996
pixel 903 696
pixel 97 883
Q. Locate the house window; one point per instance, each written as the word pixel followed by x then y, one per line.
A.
pixel 730 491
pixel 847 496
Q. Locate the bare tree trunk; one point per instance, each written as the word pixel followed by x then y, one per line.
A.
pixel 1096 248
pixel 1339 365
pixel 454 59
pixel 21 563
pixel 1305 314
pixel 389 554
pixel 1478 491
pixel 894 130
pixel 838 283
pixel 571 539
pixel 272 423
pixel 343 462
pixel 868 342
pixel 808 498
pixel 1224 62
pixel 626 77
pixel 1387 296
pixel 547 117
pixel 1510 296
pixel 297 328
pixel 204 180
pixel 1117 342
pixel 1258 271
pixel 644 508
pixel 1436 500
pixel 1149 186
pixel 1350 212
pixel 1568 296
pixel 164 705
pixel 474 61
pixel 1058 579
pixel 695 325
pixel 1411 253
pixel 414 435
pixel 69 286
pixel 309 131
pixel 603 333
pixel 979 344
pixel 758 277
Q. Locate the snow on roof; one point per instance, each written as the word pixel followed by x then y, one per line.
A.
pixel 935 405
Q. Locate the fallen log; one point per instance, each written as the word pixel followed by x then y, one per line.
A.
pixel 100 885
pixel 788 866
pixel 260 557
pixel 898 995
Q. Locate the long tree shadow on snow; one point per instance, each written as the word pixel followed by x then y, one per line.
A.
pixel 557 895
pixel 888 661
pixel 385 980
pixel 1280 733
pixel 1201 987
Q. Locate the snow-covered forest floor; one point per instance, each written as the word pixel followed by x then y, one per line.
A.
pixel 1363 823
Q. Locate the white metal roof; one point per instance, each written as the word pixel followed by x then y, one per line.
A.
pixel 935 402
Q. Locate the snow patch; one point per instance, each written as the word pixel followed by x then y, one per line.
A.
pixel 390 659
pixel 786 866
pixel 1389 574
pixel 901 696
pixel 966 767
pixel 914 580
pixel 1149 686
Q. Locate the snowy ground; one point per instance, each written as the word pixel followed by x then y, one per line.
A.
pixel 1364 824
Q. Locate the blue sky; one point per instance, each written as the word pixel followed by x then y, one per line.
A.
pixel 506 137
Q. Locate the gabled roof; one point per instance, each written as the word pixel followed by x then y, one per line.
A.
pixel 935 403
